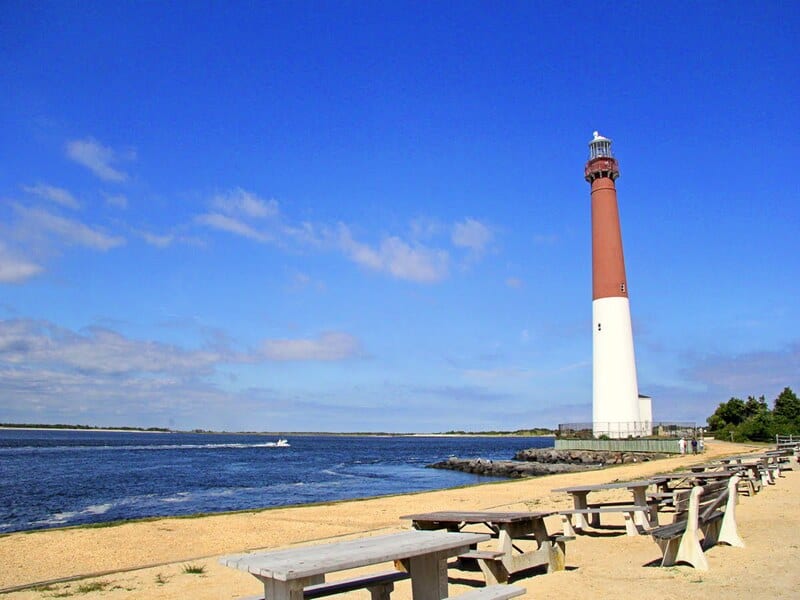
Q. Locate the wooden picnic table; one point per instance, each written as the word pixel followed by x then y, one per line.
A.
pixel 510 529
pixel 580 494
pixel 423 554
pixel 665 481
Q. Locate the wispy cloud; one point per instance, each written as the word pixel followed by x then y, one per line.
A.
pixel 472 234
pixel 99 159
pixel 245 214
pixel 159 241
pixel 116 200
pixel 748 373
pixel 244 203
pixel 396 257
pixel 70 230
pixel 15 269
pixel 514 282
pixel 40 344
pixel 54 194
pixel 233 211
pixel 46 369
pixel 303 281
pixel 232 225
pixel 328 346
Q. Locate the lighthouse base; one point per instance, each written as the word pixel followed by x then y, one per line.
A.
pixel 615 401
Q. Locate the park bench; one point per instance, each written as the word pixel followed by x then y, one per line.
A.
pixel 710 509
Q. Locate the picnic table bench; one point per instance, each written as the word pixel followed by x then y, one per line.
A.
pixel 709 509
pixel 510 529
pixel 769 464
pixel 299 572
pixel 671 484
pixel 639 515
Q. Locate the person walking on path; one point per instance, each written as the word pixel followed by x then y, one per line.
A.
pixel 682 445
pixel 694 445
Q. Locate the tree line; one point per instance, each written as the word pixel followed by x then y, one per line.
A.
pixel 753 420
pixel 66 426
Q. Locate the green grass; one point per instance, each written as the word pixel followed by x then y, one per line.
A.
pixel 94 586
pixel 194 569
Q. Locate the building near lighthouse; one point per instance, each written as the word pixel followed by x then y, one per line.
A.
pixel 618 411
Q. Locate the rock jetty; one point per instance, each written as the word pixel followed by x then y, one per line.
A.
pixel 543 461
pixel 508 468
pixel 584 457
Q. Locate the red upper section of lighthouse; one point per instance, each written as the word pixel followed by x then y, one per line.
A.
pixel 602 166
pixel 608 262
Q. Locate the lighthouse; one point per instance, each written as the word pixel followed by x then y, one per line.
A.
pixel 615 391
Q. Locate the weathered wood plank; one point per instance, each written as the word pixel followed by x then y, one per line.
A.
pixel 305 561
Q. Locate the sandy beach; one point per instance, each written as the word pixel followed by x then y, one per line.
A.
pixel 148 559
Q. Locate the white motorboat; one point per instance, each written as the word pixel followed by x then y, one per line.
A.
pixel 281 443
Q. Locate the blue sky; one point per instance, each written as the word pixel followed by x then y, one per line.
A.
pixel 350 216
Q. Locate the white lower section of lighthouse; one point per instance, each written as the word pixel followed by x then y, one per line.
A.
pixel 615 389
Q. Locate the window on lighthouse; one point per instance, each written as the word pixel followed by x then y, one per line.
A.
pixel 622 287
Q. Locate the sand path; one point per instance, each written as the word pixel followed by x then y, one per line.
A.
pixel 147 559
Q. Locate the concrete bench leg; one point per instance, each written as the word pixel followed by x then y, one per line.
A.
pixel 382 591
pixel 493 571
pixel 683 549
pixel 557 557
pixel 691 551
pixel 630 525
pixel 566 522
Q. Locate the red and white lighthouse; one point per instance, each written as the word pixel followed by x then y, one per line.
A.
pixel 615 391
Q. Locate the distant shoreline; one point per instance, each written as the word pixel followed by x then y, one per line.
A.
pixel 269 433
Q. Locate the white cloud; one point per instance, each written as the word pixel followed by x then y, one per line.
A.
pixel 246 204
pixel 14 269
pixel 329 346
pixel 302 281
pixel 54 194
pixel 39 344
pixel 749 373
pixel 471 234
pixel 97 158
pixel 50 373
pixel 514 282
pixel 159 241
pixel 232 225
pixel 68 229
pixel 117 200
pixel 423 228
pixel 396 257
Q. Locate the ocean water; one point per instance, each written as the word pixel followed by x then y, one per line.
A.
pixel 58 478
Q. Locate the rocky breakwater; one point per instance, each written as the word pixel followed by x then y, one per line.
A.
pixel 584 457
pixel 543 461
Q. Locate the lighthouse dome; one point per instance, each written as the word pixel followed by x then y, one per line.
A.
pixel 599 146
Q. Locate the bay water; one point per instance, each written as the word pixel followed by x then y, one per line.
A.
pixel 58 478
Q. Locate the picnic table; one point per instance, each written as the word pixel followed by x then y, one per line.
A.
pixel 580 493
pixel 670 481
pixel 422 554
pixel 510 529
